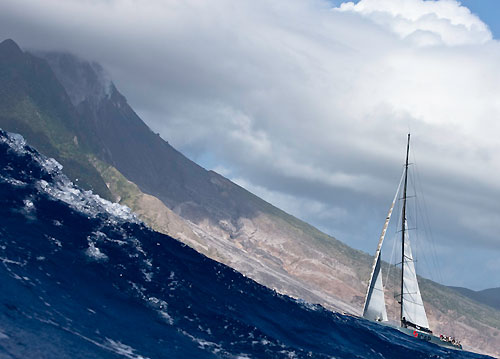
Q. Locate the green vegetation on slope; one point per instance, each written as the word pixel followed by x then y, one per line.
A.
pixel 34 104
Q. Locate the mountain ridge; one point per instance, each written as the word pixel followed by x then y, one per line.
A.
pixel 490 296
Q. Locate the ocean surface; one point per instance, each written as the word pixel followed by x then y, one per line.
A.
pixel 81 277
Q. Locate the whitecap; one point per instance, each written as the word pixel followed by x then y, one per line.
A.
pixel 122 349
pixel 61 188
pixel 95 253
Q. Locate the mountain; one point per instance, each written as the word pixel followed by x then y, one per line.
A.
pixel 229 223
pixel 83 278
pixel 34 103
pixel 489 296
pixel 203 209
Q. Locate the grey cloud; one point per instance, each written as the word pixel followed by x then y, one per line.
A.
pixel 300 101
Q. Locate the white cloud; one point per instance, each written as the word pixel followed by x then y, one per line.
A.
pixel 304 101
pixel 426 22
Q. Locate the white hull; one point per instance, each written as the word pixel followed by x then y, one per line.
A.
pixel 428 338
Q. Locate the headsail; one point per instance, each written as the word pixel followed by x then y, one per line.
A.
pixel 374 308
pixel 375 302
pixel 413 307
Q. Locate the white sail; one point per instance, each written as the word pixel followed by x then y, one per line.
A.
pixel 413 307
pixel 374 308
pixel 375 302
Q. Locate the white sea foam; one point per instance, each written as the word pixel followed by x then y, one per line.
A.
pixel 16 142
pixel 85 201
pixel 12 181
pixel 161 307
pixel 95 253
pixel 29 208
pixel 9 261
pixel 202 343
pixel 63 189
pixel 307 305
pixel 166 316
pixel 54 240
pixel 126 350
pixel 148 276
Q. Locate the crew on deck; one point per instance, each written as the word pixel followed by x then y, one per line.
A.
pixel 451 340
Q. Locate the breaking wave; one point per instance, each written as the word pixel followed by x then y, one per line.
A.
pixel 82 277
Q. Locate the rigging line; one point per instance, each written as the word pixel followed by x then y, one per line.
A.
pixel 422 202
pixel 426 222
pixel 396 242
pixel 413 217
pixel 408 260
pixel 408 229
pixel 434 257
pixel 381 240
pixel 408 197
pixel 428 257
pixel 418 220
pixel 391 259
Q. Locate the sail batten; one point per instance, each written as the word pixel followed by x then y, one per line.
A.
pixel 374 307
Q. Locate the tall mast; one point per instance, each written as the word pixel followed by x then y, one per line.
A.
pixel 403 227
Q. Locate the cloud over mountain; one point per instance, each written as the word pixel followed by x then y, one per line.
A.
pixel 302 100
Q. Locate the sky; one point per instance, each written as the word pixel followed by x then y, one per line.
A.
pixel 307 103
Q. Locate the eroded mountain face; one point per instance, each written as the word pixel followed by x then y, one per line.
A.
pixel 224 221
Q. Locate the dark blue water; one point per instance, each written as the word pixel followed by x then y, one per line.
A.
pixel 82 278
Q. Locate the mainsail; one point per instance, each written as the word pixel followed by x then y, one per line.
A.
pixel 374 308
pixel 413 307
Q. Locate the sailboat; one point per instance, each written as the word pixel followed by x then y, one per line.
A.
pixel 413 318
